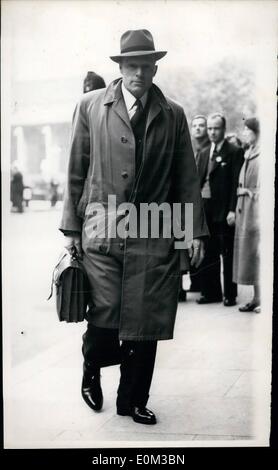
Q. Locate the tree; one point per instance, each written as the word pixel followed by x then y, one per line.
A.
pixel 227 87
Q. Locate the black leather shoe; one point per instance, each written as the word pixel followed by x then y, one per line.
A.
pixel 249 307
pixel 91 390
pixel 206 300
pixel 139 414
pixel 229 302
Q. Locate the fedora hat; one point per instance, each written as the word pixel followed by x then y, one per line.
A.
pixel 137 43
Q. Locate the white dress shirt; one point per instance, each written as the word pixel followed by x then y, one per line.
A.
pixel 130 100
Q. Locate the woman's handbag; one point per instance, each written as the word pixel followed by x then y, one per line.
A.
pixel 71 285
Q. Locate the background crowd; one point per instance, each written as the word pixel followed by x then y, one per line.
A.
pixel 229 177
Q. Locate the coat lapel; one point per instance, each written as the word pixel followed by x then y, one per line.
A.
pixel 214 164
pixel 119 108
pixel 154 110
pixel 252 153
pixel 115 98
pixel 157 103
pixel 222 153
pixel 202 165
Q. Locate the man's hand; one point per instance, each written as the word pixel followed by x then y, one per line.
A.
pixel 231 218
pixel 196 252
pixel 73 243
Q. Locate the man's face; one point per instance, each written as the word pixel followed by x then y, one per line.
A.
pixel 216 130
pixel 138 73
pixel 199 128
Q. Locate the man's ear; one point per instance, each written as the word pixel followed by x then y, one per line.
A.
pixel 155 70
pixel 120 66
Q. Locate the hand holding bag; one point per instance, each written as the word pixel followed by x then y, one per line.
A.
pixel 71 286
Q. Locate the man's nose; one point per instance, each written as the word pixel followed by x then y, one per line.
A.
pixel 139 72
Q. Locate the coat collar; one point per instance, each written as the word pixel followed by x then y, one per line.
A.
pixel 224 149
pixel 199 145
pixel 114 97
pixel 252 152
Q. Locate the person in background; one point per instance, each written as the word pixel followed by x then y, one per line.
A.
pixel 247 233
pixel 199 134
pixel 219 166
pixel 17 187
pixel 200 141
pixel 92 82
pixel 54 185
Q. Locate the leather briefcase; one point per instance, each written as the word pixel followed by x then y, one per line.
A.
pixel 71 286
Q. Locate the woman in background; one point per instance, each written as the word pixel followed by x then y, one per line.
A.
pixel 247 234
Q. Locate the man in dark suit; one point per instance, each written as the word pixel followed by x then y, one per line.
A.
pixel 200 141
pixel 219 166
pixel 199 134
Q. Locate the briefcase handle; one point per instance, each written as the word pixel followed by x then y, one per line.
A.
pixel 73 257
pixel 52 281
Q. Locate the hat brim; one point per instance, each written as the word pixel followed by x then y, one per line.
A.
pixel 156 55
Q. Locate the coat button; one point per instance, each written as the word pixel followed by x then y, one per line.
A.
pixel 122 245
pixel 124 174
pixel 239 210
pixel 123 139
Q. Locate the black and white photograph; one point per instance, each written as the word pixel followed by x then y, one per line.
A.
pixel 138 170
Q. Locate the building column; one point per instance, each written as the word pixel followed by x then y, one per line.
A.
pixel 50 164
pixel 21 149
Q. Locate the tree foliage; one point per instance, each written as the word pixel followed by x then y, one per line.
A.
pixel 227 87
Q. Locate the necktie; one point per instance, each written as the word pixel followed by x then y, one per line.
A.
pixel 214 154
pixel 212 160
pixel 138 113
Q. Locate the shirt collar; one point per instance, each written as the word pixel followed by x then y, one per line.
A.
pixel 130 99
pixel 217 146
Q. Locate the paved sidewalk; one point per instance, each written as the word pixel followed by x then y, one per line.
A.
pixel 208 385
pixel 203 389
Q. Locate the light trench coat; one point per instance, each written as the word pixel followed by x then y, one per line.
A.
pixel 247 233
pixel 102 163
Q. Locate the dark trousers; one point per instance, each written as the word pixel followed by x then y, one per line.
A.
pixel 220 243
pixel 195 279
pixel 102 348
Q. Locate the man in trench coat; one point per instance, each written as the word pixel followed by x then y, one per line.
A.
pixel 131 142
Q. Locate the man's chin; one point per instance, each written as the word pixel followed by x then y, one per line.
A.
pixel 138 91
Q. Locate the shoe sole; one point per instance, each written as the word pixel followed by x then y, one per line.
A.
pixel 144 422
pixel 136 420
